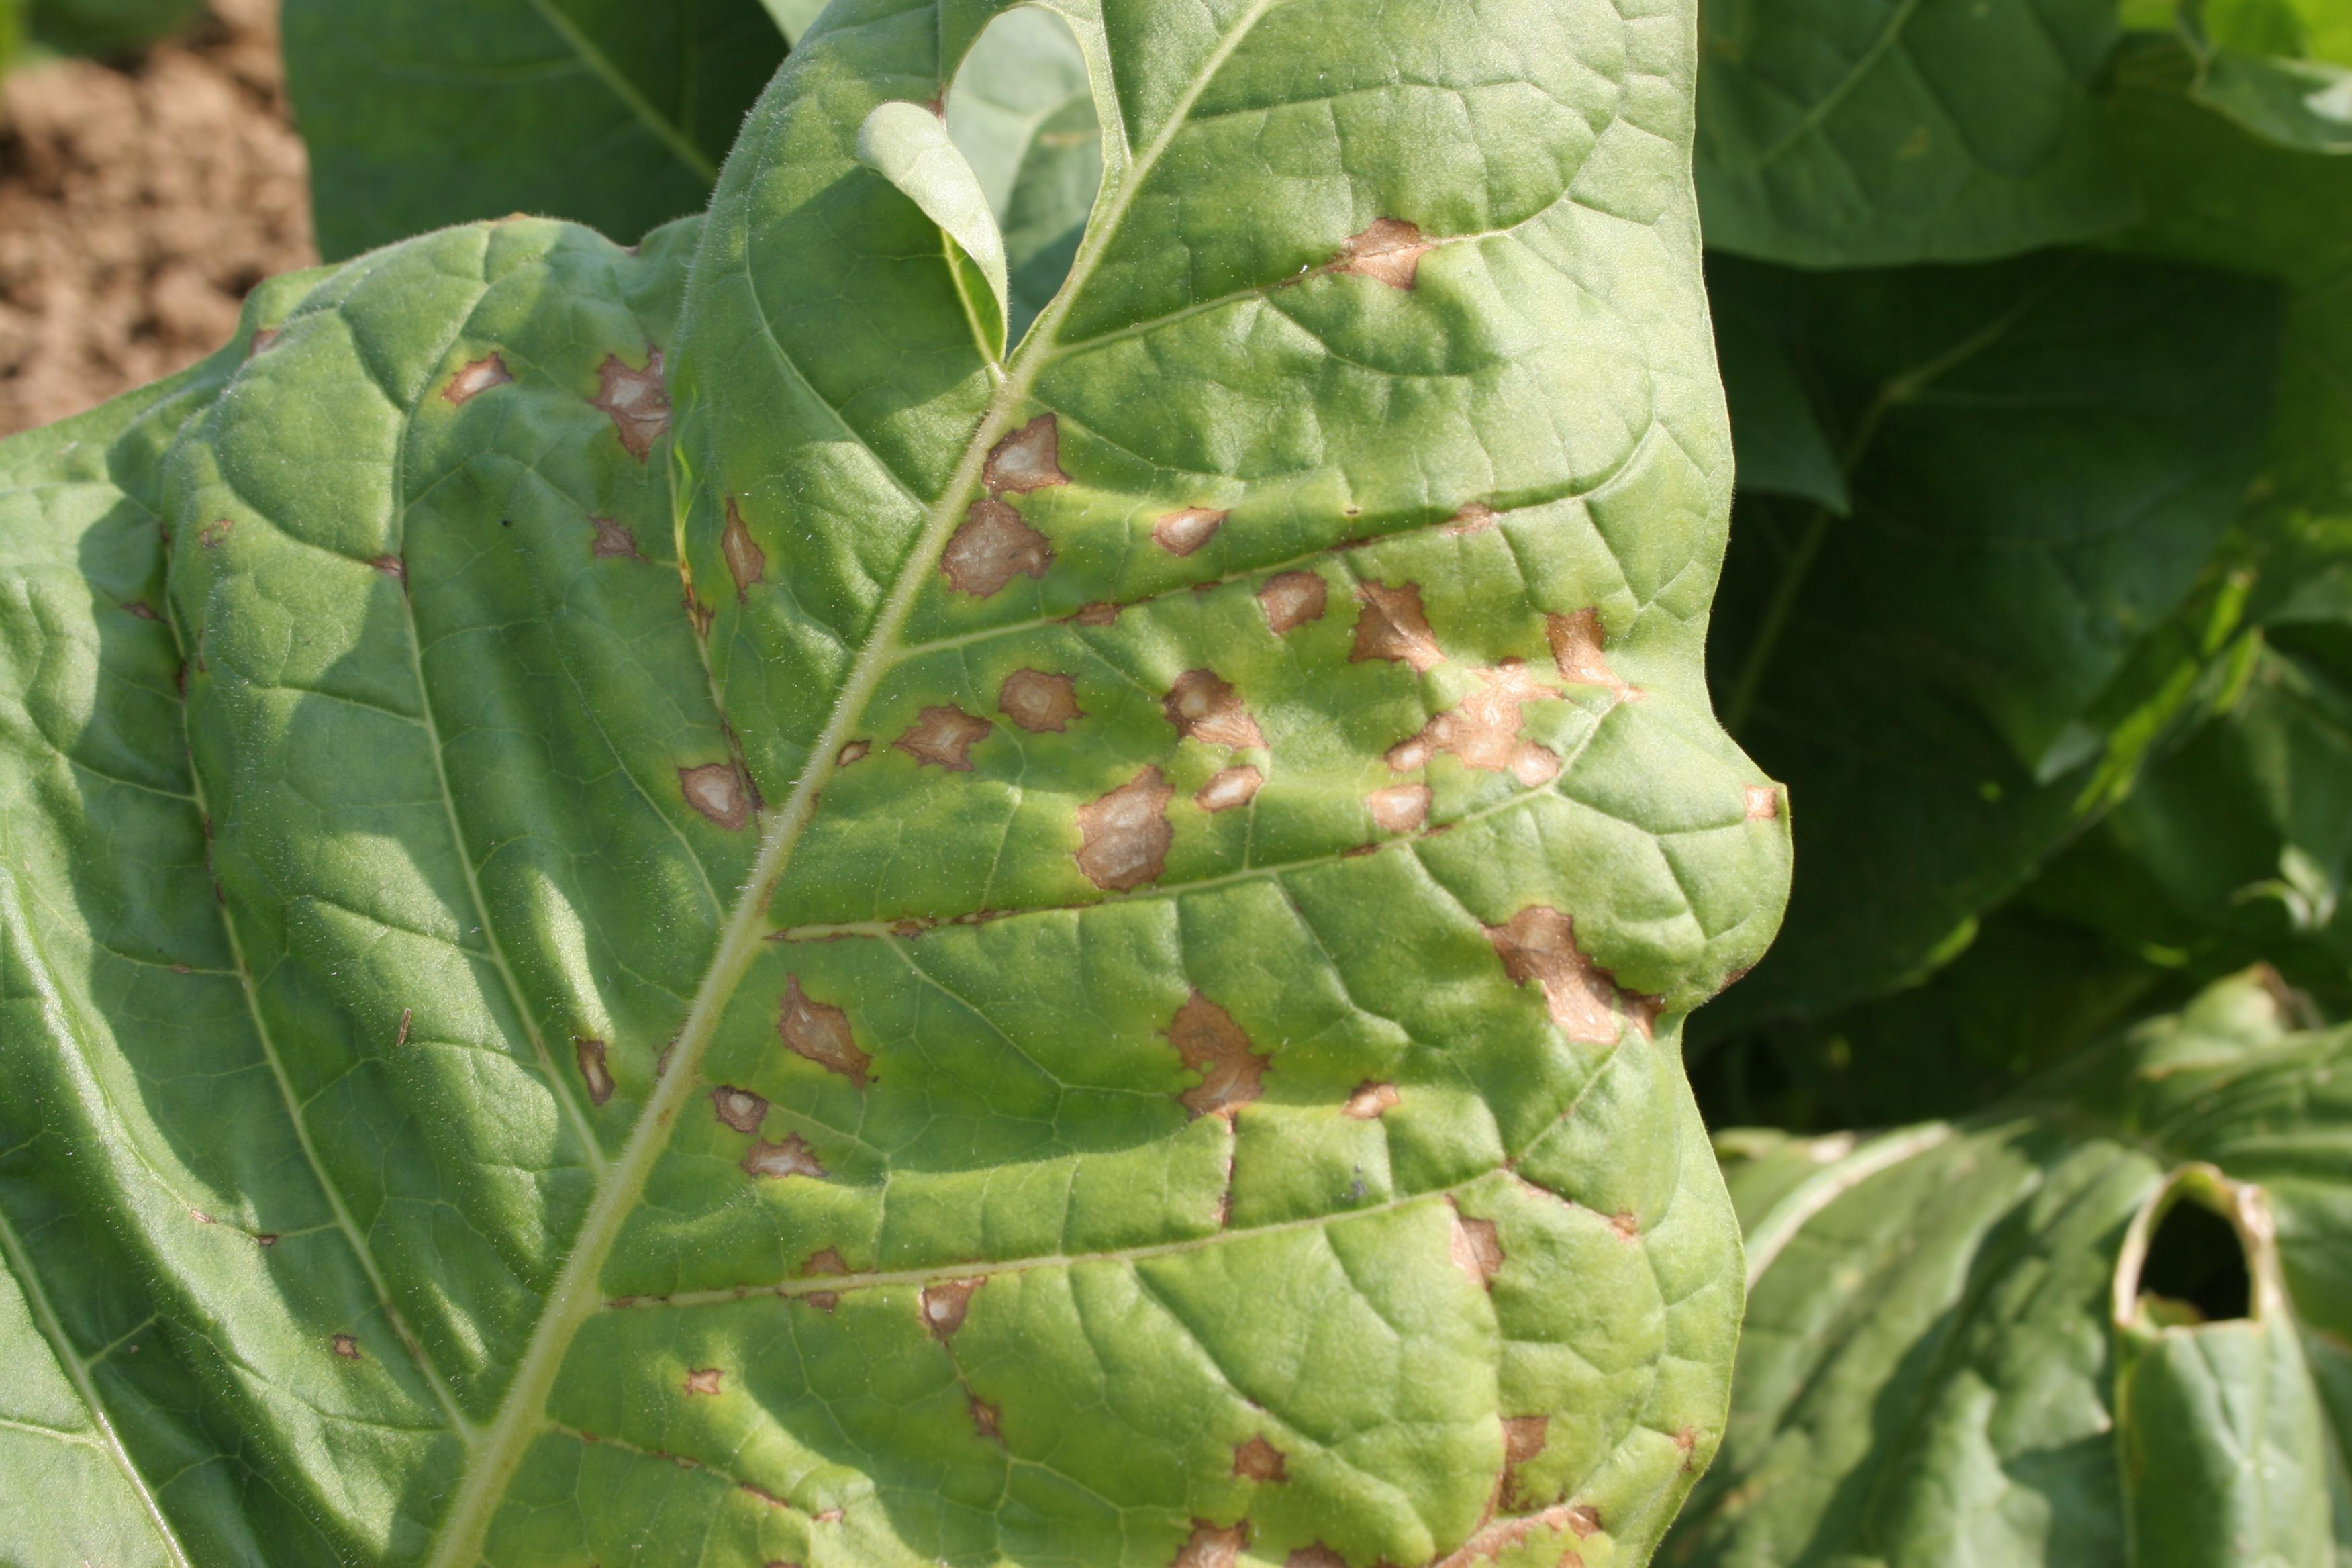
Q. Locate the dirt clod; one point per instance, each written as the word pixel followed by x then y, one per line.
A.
pixel 139 201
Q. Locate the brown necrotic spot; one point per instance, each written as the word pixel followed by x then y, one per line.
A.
pixel 612 542
pixel 142 609
pixel 826 1260
pixel 1314 1554
pixel 1259 1460
pixel 1101 613
pixel 345 1346
pixel 854 752
pixel 261 341
pixel 1626 1227
pixel 1123 837
pixel 746 562
pixel 1028 459
pixel 945 1304
pixel 1585 1519
pixel 1291 599
pixel 942 737
pixel 1533 765
pixel 1039 700
pixel 697 613
pixel 820 1031
pixel 590 1055
pixel 1369 1102
pixel 1392 625
pixel 738 1108
pixel 1204 707
pixel 1212 1545
pixel 1482 729
pixel 1577 641
pixel 717 790
pixel 1475 517
pixel 1538 944
pixel 1400 808
pixel 1763 802
pixel 1183 532
pixel 390 566
pixel 792 1157
pixel 211 534
pixel 475 379
pixel 1523 1439
pixel 635 401
pixel 992 546
pixel 1388 251
pixel 1212 1045
pixel 401 1039
pixel 704 1380
pixel 984 1418
pixel 1232 787
pixel 1476 1248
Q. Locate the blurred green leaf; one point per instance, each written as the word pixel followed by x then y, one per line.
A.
pixel 2043 457
pixel 107 26
pixel 611 112
pixel 1879 132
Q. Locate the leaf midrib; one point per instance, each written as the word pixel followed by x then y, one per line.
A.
pixel 574 1296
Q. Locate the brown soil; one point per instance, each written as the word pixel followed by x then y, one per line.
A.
pixel 140 200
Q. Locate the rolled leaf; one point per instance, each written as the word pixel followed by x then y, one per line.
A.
pixel 1958 1350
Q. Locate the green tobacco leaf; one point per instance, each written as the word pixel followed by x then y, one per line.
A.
pixel 2218 196
pixel 1866 133
pixel 2282 68
pixel 1974 1341
pixel 1103 985
pixel 909 145
pixel 106 27
pixel 611 112
pixel 2043 457
pixel 2241 842
pixel 1024 113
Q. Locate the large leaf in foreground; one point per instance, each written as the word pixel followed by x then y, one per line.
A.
pixel 1102 987
pixel 611 112
pixel 2040 461
pixel 1967 1343
pixel 1870 132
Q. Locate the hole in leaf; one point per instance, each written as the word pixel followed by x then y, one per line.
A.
pixel 1023 114
pixel 2195 1260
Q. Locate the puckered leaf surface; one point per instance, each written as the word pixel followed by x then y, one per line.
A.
pixel 614 113
pixel 1961 1346
pixel 1071 960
